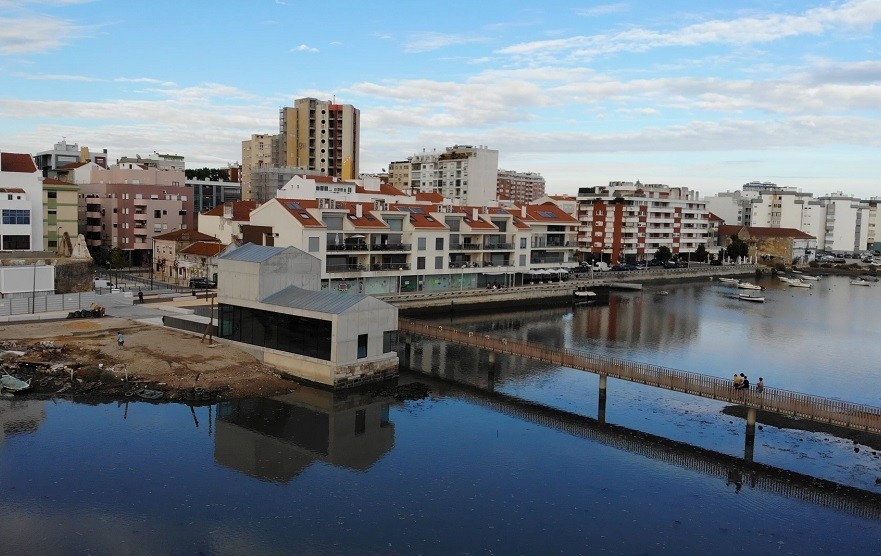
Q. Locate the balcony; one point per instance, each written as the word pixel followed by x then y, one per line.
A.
pixel 499 246
pixel 464 247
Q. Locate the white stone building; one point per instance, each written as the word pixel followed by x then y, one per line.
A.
pixel 21 203
pixel 465 174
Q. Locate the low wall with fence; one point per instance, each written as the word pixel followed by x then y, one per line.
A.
pixel 45 303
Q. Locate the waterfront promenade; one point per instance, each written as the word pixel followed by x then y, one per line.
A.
pixel 784 402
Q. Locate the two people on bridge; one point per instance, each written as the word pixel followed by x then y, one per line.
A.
pixel 741 382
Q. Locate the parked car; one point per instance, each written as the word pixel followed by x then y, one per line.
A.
pixel 202 283
pixel 623 267
pixel 655 262
pixel 716 262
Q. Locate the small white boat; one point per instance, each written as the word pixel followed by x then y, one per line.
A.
pixel 860 282
pixel 663 292
pixel 14 385
pixel 811 278
pixel 729 280
pixel 748 286
pixel 799 284
pixel 784 278
pixel 754 298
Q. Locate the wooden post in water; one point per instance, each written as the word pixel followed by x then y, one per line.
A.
pixel 750 445
pixel 601 409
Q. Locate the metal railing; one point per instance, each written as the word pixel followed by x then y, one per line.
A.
pixel 825 410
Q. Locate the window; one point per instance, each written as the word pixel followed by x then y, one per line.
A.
pixel 53 194
pixel 439 244
pixel 420 263
pixel 313 245
pixel 522 260
pixel 362 346
pixel 388 338
pixel 156 213
pixel 522 243
pixel 16 216
pixel 420 242
pixel 438 263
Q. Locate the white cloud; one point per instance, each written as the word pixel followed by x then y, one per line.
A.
pixel 35 34
pixel 425 42
pixel 55 77
pixel 304 48
pixel 771 27
pixel 145 80
pixel 603 9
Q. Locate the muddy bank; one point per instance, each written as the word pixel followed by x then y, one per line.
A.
pixel 82 359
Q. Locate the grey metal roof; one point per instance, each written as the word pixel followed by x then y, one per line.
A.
pixel 252 253
pixel 321 301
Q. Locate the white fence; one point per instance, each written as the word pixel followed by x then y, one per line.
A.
pixel 45 304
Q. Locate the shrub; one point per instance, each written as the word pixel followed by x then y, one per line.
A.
pixel 813 264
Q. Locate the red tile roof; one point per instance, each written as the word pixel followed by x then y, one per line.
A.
pixel 241 210
pixel 72 165
pixel 764 232
pixel 53 181
pixel 421 219
pixel 430 197
pixel 186 235
pixel 12 190
pixel 17 162
pixel 548 212
pixel 204 248
pixel 298 209
pixel 367 220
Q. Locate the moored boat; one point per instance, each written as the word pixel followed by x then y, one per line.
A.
pixel 810 277
pixel 749 286
pixel 799 284
pixel 754 298
pixel 729 280
pixel 583 295
pixel 860 282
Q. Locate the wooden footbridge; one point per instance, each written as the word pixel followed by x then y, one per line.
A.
pixel 775 400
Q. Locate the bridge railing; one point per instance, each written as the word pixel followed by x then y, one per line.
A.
pixel 777 400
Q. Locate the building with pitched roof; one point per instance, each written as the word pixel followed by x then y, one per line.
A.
pixel 786 245
pixel 273 299
pixel 385 246
pixel 166 249
pixel 21 210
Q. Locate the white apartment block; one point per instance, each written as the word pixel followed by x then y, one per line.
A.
pixel 464 174
pixel 628 221
pixel 873 234
pixel 21 203
pixel 386 246
pixel 840 222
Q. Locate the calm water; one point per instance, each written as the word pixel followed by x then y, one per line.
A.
pixel 466 471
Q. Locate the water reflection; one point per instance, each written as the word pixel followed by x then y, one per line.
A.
pixel 20 416
pixel 275 439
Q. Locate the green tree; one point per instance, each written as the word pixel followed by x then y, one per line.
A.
pixel 663 254
pixel 118 258
pixel 737 248
pixel 700 254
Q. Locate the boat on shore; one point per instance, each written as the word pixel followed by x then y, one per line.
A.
pixel 753 298
pixel 14 385
pixel 869 278
pixel 810 277
pixel 860 282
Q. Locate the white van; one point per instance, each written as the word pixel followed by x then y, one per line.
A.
pixel 101 283
pixel 600 266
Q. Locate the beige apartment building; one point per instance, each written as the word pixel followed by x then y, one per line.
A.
pixel 520 187
pixel 59 211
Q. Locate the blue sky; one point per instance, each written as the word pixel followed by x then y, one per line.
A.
pixel 708 95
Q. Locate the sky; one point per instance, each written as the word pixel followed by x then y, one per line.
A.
pixel 706 95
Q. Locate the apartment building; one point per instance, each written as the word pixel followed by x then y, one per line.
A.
pixel 520 187
pixel 21 203
pixel 63 154
pixel 382 247
pixel 257 152
pixel 873 234
pixel 843 225
pixel 628 221
pixel 126 205
pixel 464 174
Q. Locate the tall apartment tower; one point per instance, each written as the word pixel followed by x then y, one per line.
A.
pixel 321 136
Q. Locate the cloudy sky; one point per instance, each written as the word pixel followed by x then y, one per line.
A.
pixel 708 95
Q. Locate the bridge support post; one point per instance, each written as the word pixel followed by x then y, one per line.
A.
pixel 750 444
pixel 601 408
pixel 491 372
pixel 408 350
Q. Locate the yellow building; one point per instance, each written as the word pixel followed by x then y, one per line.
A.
pixel 59 211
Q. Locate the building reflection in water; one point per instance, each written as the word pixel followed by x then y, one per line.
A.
pixel 20 417
pixel 274 439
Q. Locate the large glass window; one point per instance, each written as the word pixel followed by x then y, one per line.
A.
pixel 362 346
pixel 16 216
pixel 291 333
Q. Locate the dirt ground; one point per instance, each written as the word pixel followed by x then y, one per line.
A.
pixel 176 363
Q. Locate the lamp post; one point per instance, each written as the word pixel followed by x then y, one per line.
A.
pixel 152 259
pixel 34 291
